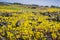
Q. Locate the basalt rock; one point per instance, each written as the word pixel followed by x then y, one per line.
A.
pixel 3 23
pixel 6 14
pixel 18 23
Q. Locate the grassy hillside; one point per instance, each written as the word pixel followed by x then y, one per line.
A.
pixel 21 22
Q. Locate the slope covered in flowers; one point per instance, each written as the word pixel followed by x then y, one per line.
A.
pixel 29 25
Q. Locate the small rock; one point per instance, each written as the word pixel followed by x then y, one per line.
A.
pixel 18 23
pixel 20 39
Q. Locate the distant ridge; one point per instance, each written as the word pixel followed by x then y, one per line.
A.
pixel 7 3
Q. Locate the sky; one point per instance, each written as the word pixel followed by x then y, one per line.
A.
pixel 38 2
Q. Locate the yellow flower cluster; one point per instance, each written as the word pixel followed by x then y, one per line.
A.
pixel 28 26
